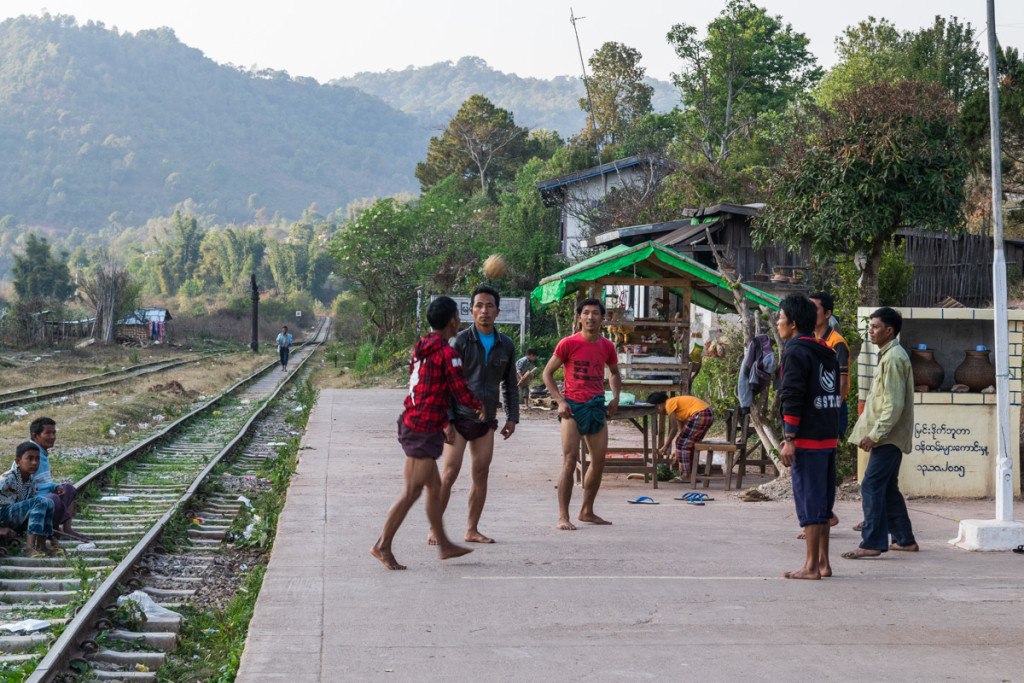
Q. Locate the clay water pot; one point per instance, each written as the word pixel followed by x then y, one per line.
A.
pixel 976 371
pixel 927 370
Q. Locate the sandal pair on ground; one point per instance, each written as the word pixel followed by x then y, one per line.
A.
pixel 693 498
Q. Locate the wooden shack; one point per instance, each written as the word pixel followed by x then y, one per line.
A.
pixel 143 325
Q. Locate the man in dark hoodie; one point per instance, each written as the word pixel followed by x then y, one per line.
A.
pixel 435 378
pixel 810 414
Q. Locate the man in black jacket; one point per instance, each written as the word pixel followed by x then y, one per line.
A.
pixel 489 363
pixel 810 415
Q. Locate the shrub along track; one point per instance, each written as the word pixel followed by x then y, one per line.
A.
pixel 126 505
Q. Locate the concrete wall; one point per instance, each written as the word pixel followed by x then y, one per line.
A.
pixel 955 435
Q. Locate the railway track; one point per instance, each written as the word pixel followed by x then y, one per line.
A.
pixel 127 504
pixel 102 380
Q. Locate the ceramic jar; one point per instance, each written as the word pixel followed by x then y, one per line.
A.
pixel 927 371
pixel 976 371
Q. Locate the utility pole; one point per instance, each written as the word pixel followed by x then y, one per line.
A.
pixel 255 344
pixel 1003 532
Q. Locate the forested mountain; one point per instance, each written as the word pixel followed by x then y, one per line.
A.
pixel 434 93
pixel 98 126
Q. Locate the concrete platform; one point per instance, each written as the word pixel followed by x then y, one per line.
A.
pixel 669 591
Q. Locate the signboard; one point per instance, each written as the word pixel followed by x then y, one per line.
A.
pixel 298 314
pixel 512 312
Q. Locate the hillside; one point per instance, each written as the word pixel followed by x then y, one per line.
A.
pixel 433 93
pixel 94 122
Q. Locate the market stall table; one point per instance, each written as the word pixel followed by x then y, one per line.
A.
pixel 644 417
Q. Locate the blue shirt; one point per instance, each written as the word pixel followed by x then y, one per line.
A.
pixel 42 478
pixel 487 340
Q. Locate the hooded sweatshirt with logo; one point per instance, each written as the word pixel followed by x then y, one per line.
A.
pixel 435 380
pixel 810 393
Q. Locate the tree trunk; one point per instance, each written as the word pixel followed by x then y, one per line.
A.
pixel 763 416
pixel 867 288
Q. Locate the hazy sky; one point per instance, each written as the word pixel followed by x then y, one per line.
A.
pixel 327 40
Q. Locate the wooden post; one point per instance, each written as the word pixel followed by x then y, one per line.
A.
pixel 684 385
pixel 255 343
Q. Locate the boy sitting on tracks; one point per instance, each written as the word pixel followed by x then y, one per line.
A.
pixel 20 507
pixel 435 379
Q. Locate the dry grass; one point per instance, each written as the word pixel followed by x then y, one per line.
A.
pixel 326 376
pixel 130 404
pixel 52 367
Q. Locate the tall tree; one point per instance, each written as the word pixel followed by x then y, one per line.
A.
pixel 947 53
pixel 617 91
pixel 39 274
pixel 875 51
pixel 482 143
pixel 234 254
pixel 749 63
pixel 974 119
pixel 392 248
pixel 886 157
pixel 179 258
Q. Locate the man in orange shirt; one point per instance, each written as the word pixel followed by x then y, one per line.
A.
pixel 689 417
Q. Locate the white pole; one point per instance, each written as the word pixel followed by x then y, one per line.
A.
pixel 1004 464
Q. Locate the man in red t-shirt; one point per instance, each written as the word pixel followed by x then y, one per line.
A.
pixel 581 410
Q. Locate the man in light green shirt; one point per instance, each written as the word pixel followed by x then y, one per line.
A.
pixel 885 429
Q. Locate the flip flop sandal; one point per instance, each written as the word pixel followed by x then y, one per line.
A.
pixel 644 500
pixel 702 496
pixel 1019 550
pixel 695 501
pixel 859 527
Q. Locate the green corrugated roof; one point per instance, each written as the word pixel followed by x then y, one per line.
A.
pixel 627 261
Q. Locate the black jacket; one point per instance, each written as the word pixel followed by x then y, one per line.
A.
pixel 810 392
pixel 486 381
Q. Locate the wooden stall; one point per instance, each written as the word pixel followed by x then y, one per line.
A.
pixel 653 349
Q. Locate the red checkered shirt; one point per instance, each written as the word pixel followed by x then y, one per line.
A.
pixel 435 378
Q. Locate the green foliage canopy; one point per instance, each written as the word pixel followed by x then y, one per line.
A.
pixel 749 63
pixel 886 157
pixel 875 51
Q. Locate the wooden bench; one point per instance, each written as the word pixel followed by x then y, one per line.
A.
pixel 737 449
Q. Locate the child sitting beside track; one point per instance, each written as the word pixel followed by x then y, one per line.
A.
pixel 21 509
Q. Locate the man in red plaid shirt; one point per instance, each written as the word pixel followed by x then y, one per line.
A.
pixel 435 379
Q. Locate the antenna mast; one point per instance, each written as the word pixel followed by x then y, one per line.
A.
pixel 586 83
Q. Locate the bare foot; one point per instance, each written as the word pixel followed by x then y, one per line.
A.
pixel 802 573
pixel 592 518
pixel 477 537
pixel 431 538
pixel 825 571
pixel 386 557
pixel 912 548
pixel 565 525
pixel 450 551
pixel 861 553
pixel 831 522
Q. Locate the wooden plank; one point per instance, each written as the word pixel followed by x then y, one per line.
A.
pixel 648 281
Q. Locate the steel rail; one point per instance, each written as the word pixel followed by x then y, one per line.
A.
pixel 75 386
pixel 65 647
